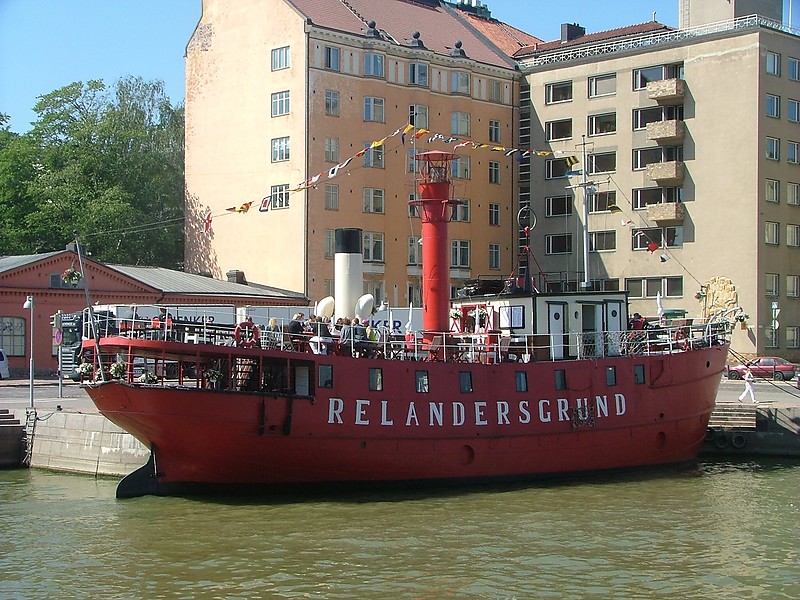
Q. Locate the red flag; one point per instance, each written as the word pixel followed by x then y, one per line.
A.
pixel 207 221
pixel 652 247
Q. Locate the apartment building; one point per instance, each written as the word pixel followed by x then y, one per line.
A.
pixel 298 107
pixel 691 179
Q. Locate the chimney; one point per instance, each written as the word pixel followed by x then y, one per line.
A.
pixel 571 31
pixel 236 276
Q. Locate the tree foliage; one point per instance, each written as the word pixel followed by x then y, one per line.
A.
pixel 104 162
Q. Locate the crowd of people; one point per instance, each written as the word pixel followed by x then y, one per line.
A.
pixel 325 336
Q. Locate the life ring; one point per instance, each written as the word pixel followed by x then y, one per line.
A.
pixel 246 334
pixel 738 441
pixel 721 441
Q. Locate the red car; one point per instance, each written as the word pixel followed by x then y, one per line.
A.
pixel 772 367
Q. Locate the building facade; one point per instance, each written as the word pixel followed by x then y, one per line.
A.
pixel 691 174
pixel 302 106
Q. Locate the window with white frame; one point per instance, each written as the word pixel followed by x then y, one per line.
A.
pixel 418 74
pixel 411 161
pixel 373 200
pixel 494 131
pixel 602 240
pixel 373 246
pixel 494 214
pixel 793 193
pixel 793 152
pixel 459 167
pixel 770 337
pixel 373 157
pixel 462 212
pixel 331 196
pixel 373 109
pixel 558 243
pixel 373 64
pixel 793 286
pixel 792 336
pixel 602 124
pixel 644 238
pixel 602 85
pixel 773 63
pixel 605 162
pixel 413 209
pixel 418 116
pixel 332 150
pixel 280 103
pixel 332 103
pixel 558 130
pixel 673 236
pixel 773 106
pixel 330 243
pixel 645 156
pixel 560 91
pixel 793 235
pixel 494 171
pixel 644 196
pixel 793 110
pixel 332 58
pixel 280 149
pixel 459 82
pixel 494 256
pixel 280 196
pixel 280 58
pixel 414 250
pixel 555 168
pixel 13 331
pixel 651 287
pixel 495 91
pixel 643 116
pixel 771 284
pixel 773 148
pixel 601 201
pixel 558 206
pixel 459 123
pixel 772 233
pixel 794 69
pixel 641 77
pixel 459 254
pixel 772 191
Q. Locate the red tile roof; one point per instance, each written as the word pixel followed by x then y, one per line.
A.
pixel 508 38
pixel 602 36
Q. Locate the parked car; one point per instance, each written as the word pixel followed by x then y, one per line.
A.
pixel 773 367
pixel 3 365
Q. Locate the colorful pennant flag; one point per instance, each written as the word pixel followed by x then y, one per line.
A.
pixel 243 208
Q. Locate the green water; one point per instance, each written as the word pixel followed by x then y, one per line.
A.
pixel 714 531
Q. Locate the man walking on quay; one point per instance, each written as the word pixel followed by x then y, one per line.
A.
pixel 748 386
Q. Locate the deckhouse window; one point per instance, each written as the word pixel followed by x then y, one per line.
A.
pixel 521 378
pixel 465 381
pixel 422 382
pixel 611 376
pixel 376 380
pixel 326 376
pixel 638 374
pixel 560 379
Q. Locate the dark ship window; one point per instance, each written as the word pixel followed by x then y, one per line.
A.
pixel 522 381
pixel 375 380
pixel 561 379
pixel 611 376
pixel 638 373
pixel 326 376
pixel 465 381
pixel 422 382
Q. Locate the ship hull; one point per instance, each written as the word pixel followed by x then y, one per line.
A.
pixel 595 415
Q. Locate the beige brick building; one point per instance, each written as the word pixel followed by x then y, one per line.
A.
pixel 692 140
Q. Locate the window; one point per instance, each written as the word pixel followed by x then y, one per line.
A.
pixel 332 150
pixel 793 337
pixel 556 167
pixel 521 378
pixel 602 240
pixel 280 196
pixel 373 65
pixel 494 131
pixel 638 374
pixel 558 243
pixel 603 124
pixel 558 206
pixel 601 201
pixel 459 123
pixel 773 106
pixel 330 243
pixel 641 77
pixel 794 69
pixel 326 376
pixel 418 115
pixel 558 130
pixel 460 167
pixel 411 155
pixel 373 157
pixel 280 103
pixel 602 85
pixel 459 253
pixel 495 91
pixel 793 286
pixel 375 379
pixel 12 335
pixel 331 58
pixel 373 200
pixel 422 382
pixel 465 381
pixel 772 234
pixel 280 149
pixel 494 214
pixel 560 376
pixel 459 82
pixel 651 287
pixel 793 235
pixel 373 109
pixel 643 239
pixel 643 116
pixel 494 256
pixel 645 156
pixel 280 58
pixel 770 338
pixel 558 92
pixel 331 196
pixel 414 250
pixel 418 74
pixel 602 163
pixel 793 152
pixel 773 148
pixel 774 63
pixel 771 284
pixel 793 193
pixel 772 193
pixel 462 212
pixel 611 376
pixel 793 110
pixel 332 103
pixel 373 247
pixel 494 171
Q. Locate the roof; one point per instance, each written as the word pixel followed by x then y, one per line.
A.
pixel 440 26
pixel 10 263
pixel 592 38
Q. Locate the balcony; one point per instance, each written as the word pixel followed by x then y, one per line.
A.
pixel 667 91
pixel 666 173
pixel 666 133
pixel 666 213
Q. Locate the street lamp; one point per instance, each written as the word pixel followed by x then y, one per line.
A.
pixel 29 304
